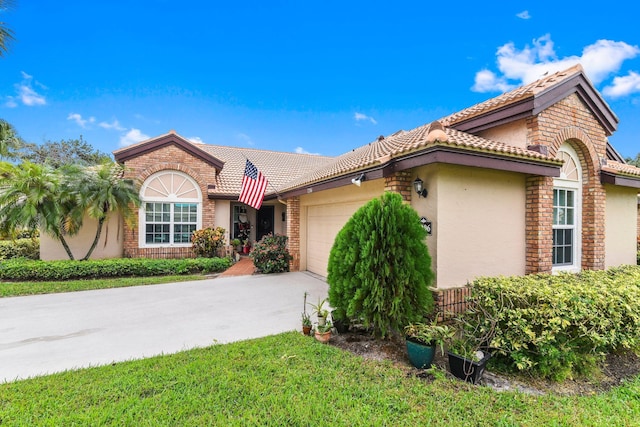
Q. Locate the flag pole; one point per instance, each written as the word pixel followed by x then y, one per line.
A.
pixel 278 196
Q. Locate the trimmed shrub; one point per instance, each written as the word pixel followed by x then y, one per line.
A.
pixel 207 242
pixel 270 254
pixel 21 270
pixel 558 326
pixel 379 266
pixel 20 248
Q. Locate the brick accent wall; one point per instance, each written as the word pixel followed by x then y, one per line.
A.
pixel 293 232
pixel 567 121
pixel 168 158
pixel 539 224
pixel 400 182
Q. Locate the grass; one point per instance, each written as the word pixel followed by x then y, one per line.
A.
pixel 12 289
pixel 288 379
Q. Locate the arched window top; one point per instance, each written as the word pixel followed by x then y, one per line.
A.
pixel 570 170
pixel 170 185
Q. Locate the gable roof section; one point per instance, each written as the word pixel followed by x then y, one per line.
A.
pixel 531 99
pixel 423 145
pixel 171 138
pixel 277 167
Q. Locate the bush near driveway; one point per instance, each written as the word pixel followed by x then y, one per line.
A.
pixel 558 326
pixel 120 267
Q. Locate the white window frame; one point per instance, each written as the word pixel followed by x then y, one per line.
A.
pixel 563 183
pixel 173 194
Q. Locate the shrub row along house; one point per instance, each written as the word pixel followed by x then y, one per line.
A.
pixel 525 182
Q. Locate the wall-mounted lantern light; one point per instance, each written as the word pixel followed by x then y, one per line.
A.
pixel 418 185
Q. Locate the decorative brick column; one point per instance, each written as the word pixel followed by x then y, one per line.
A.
pixel 399 182
pixel 293 232
pixel 539 224
pixel 593 223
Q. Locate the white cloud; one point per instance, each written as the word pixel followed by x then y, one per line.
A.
pixel 623 86
pixel 11 102
pixel 245 138
pixel 115 125
pixel 196 140
pixel 80 121
pixel 301 150
pixel 134 135
pixel 524 15
pixel 26 94
pixel 360 117
pixel 521 66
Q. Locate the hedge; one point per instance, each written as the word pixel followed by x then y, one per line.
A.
pixel 20 248
pixel 559 325
pixel 26 270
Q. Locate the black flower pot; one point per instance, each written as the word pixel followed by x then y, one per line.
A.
pixel 467 370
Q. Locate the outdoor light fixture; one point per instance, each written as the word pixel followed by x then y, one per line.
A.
pixel 358 181
pixel 419 187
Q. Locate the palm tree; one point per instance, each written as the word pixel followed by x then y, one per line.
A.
pixel 9 140
pixel 102 191
pixel 33 195
pixel 6 35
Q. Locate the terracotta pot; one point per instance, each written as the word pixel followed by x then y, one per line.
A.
pixel 323 336
pixel 306 330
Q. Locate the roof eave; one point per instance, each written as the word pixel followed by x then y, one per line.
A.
pixel 607 177
pixel 146 147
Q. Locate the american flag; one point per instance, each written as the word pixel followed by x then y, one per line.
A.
pixel 254 184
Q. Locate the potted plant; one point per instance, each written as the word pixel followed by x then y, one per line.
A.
pixel 422 339
pixel 246 246
pixel 320 311
pixel 306 324
pixel 340 320
pixel 466 360
pixel 323 332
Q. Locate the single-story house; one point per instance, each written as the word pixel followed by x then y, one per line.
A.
pixel 522 183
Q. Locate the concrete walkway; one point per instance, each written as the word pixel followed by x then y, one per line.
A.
pixel 50 333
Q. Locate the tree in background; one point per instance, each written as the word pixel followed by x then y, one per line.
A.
pixel 65 152
pixel 635 161
pixel 6 35
pixel 379 266
pixel 10 142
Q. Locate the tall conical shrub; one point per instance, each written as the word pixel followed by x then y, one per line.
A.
pixel 379 266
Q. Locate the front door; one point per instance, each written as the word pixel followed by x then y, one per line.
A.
pixel 264 220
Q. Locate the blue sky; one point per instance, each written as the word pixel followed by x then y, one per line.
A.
pixel 308 76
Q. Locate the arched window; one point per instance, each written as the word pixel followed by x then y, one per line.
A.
pixel 171 209
pixel 567 212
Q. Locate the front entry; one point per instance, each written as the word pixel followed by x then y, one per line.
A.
pixel 264 220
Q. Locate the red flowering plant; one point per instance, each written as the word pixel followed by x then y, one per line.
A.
pixel 270 254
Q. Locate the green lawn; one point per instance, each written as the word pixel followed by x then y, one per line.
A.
pixel 12 289
pixel 291 380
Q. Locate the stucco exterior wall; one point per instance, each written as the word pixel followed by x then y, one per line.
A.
pixel 110 244
pixel 514 133
pixel 621 219
pixel 223 217
pixel 479 224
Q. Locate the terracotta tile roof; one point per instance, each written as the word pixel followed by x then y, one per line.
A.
pixel 277 167
pixel 513 96
pixel 621 168
pixel 402 143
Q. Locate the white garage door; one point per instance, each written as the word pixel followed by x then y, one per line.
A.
pixel 323 224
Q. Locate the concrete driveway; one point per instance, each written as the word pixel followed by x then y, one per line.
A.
pixel 51 333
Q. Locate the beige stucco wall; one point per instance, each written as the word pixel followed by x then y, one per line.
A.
pixel 223 216
pixel 621 222
pixel 332 209
pixel 479 222
pixel 110 244
pixel 514 133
